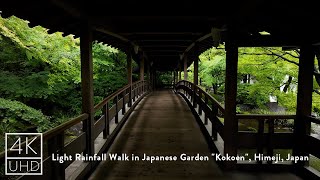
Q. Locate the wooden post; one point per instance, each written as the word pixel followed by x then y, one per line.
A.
pixel 185 68
pixel 206 113
pixel 195 81
pixel 106 130
pixel 124 102
pixel 56 146
pixel 141 89
pixel 200 102
pixel 260 135
pixel 214 122
pixel 179 71
pixel 116 117
pixel 87 84
pixel 154 79
pixel 148 74
pixel 129 76
pixel 304 101
pixel 151 79
pixel 142 69
pixel 177 78
pixel 230 121
pixel 174 77
pixel 270 138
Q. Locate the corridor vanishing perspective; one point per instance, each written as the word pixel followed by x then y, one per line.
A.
pixel 161 125
pixel 142 119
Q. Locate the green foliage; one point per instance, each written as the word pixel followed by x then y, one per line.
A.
pixel 212 69
pixel 109 69
pixel 262 73
pixel 38 68
pixel 18 117
pixel 164 78
pixel 42 71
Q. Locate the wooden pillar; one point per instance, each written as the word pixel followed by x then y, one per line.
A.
pixel 230 121
pixel 195 81
pixel 177 78
pixel 154 79
pixel 152 73
pixel 304 101
pixel 142 69
pixel 195 71
pixel 87 84
pixel 151 79
pixel 185 68
pixel 179 71
pixel 148 74
pixel 129 75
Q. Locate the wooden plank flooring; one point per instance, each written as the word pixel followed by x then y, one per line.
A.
pixel 162 124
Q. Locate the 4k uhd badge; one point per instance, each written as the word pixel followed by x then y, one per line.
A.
pixel 24 153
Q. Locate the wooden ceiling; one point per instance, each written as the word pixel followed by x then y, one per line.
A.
pixel 167 30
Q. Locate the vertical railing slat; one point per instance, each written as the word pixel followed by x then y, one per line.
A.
pixel 200 102
pixel 56 146
pixel 260 138
pixel 105 113
pixel 206 113
pixel 214 119
pixel 270 138
pixel 124 102
pixel 116 117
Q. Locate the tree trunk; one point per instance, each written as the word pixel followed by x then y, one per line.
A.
pixel 286 87
pixel 316 69
pixel 215 88
pixel 245 78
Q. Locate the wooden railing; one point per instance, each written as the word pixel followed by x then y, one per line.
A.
pixel 313 142
pixel 265 136
pixel 213 110
pixel 55 140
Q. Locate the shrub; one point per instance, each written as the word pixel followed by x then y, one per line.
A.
pixel 18 117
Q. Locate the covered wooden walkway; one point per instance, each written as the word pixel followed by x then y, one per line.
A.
pixel 163 125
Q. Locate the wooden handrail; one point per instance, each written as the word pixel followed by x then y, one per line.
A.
pixel 216 102
pixel 110 97
pixel 57 130
pixel 113 95
pixel 62 127
pixel 246 116
pixel 265 116
pixel 314 119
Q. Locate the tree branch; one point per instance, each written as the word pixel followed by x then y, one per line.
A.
pixel 316 91
pixel 285 59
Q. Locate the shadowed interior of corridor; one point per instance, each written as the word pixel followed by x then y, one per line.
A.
pixel 162 124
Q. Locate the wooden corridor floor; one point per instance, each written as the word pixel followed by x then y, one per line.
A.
pixel 162 124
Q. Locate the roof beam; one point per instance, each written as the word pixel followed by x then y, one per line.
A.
pixel 67 8
pixel 163 40
pixel 162 33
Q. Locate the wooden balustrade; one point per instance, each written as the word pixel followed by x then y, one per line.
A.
pixel 205 103
pixel 312 141
pixel 54 139
pixel 265 138
pixel 262 139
